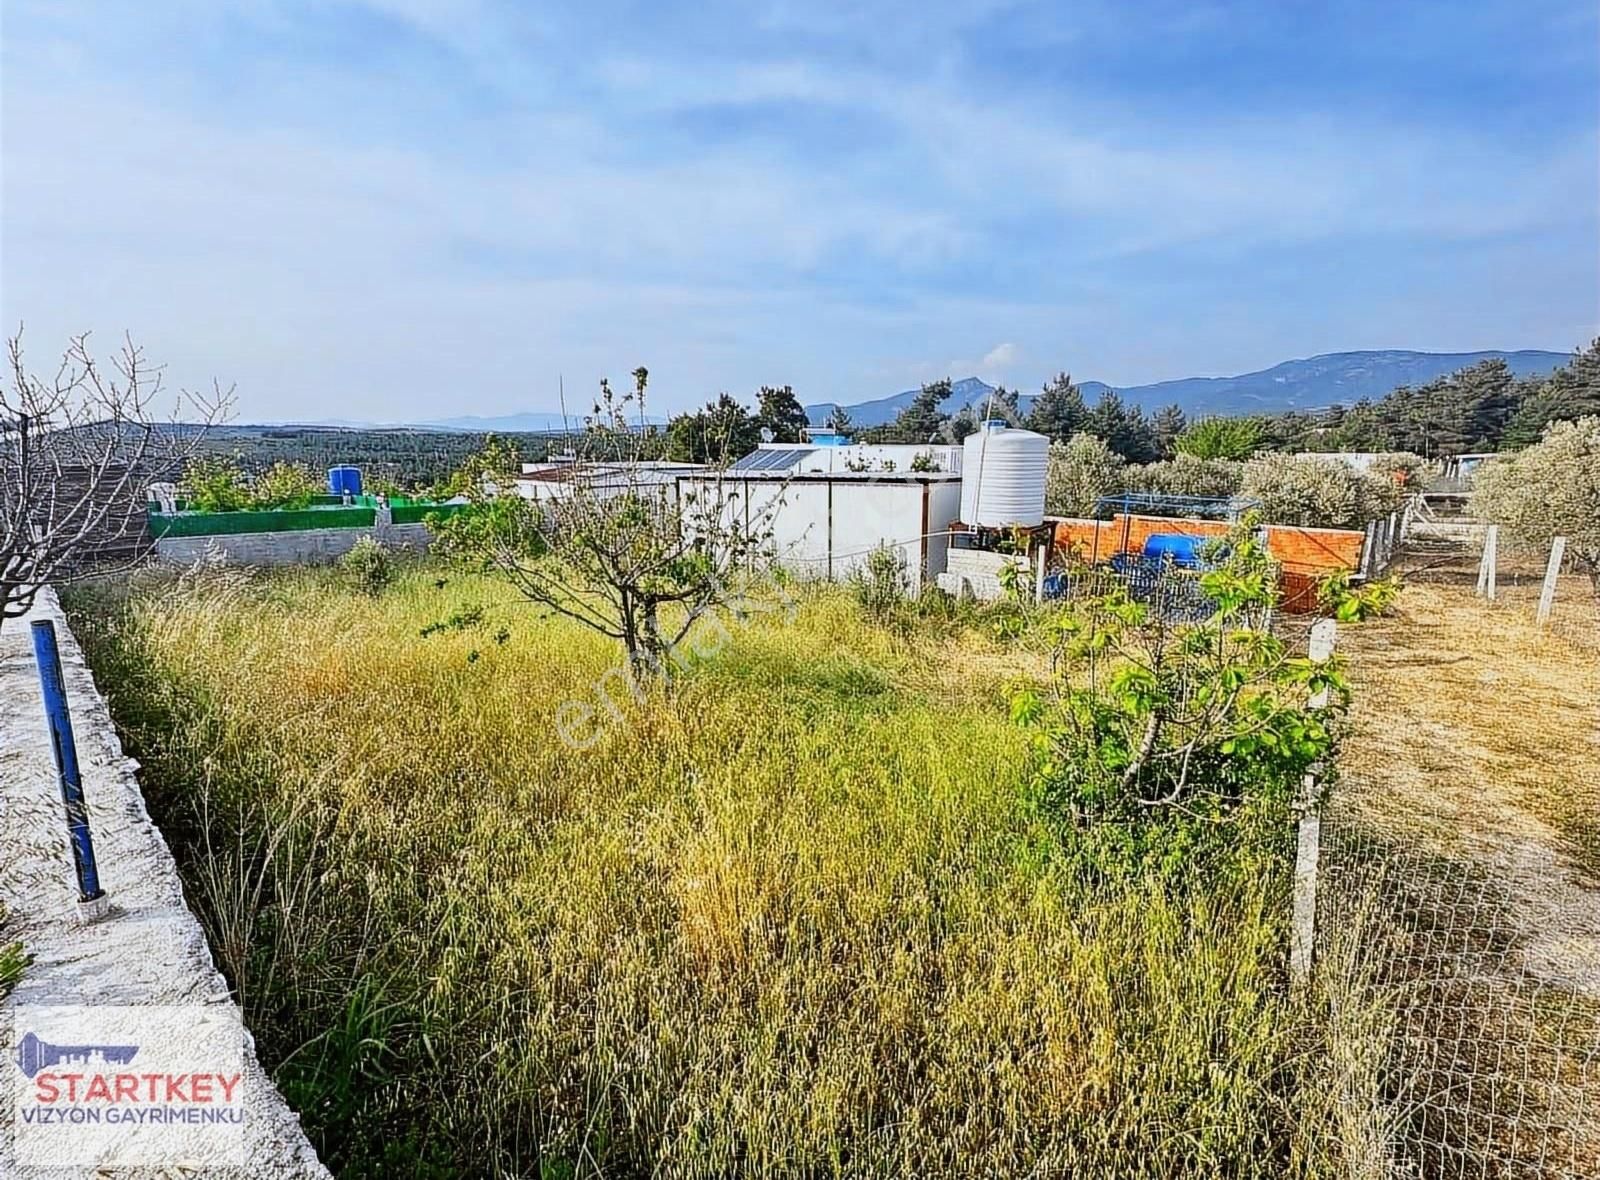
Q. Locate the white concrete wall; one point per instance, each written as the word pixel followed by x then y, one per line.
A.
pixel 294 547
pixel 837 460
pixel 866 515
pixel 151 950
pixel 829 528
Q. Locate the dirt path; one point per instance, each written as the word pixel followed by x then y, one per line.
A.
pixel 1470 785
pixel 1479 736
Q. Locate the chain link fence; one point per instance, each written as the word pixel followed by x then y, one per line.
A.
pixel 1483 1066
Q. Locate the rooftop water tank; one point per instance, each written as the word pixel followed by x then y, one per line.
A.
pixel 1002 476
pixel 344 480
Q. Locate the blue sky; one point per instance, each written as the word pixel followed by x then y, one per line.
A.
pixel 408 210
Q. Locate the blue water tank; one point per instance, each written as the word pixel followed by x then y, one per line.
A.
pixel 1180 548
pixel 344 480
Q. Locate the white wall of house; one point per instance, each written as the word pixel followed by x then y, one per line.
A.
pixel 827 528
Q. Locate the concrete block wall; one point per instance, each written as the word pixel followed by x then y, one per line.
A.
pixel 1304 550
pixel 294 547
pixel 976 572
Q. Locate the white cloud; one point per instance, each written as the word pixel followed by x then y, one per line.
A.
pixel 537 211
pixel 1000 357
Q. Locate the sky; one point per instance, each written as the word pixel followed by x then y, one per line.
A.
pixel 398 210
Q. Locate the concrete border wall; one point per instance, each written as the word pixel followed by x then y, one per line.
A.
pixel 151 951
pixel 292 547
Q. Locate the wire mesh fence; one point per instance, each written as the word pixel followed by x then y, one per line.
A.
pixel 1489 1068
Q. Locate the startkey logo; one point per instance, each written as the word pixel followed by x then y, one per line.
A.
pixel 127 1086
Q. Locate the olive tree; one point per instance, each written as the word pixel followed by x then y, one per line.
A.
pixel 1080 471
pixel 617 547
pixel 1549 490
pixel 1186 475
pixel 77 448
pixel 1317 491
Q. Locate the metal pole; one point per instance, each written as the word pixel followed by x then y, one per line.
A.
pixel 54 687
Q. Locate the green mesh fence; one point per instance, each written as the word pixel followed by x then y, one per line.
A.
pixel 213 524
pixel 419 513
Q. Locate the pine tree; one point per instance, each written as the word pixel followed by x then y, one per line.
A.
pixel 1125 429
pixel 720 433
pixel 1169 423
pixel 1058 412
pixel 1572 392
pixel 920 421
pixel 839 420
pixel 781 412
pixel 960 425
pixel 1359 428
pixel 1003 404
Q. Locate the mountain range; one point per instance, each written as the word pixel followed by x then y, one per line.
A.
pixel 1331 379
pixel 1334 378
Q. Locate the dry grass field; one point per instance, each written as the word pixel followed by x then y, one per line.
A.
pixel 795 917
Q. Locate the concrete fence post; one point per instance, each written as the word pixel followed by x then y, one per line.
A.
pixel 1038 575
pixel 1368 545
pixel 1308 850
pixel 92 902
pixel 1486 566
pixel 1552 571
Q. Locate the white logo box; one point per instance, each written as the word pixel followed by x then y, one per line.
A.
pixel 89 1085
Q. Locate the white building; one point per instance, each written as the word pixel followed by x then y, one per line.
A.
pixel 854 458
pixel 829 522
pixel 556 480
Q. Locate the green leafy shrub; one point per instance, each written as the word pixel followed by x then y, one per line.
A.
pixel 285 485
pixel 1356 603
pixel 1187 475
pixel 367 567
pixel 1221 438
pixel 1148 715
pixel 215 484
pixel 881 583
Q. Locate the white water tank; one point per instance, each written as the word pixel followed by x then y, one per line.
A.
pixel 1002 476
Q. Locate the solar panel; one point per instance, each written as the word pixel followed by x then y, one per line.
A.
pixel 772 459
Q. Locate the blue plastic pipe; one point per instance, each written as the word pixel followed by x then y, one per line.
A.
pixel 54 686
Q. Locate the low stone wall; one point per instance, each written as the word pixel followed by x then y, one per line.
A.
pixel 292 547
pixel 975 573
pixel 151 949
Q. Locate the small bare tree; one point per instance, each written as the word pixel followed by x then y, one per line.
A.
pixel 76 452
pixel 616 547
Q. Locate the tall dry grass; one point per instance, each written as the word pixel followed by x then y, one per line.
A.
pixel 794 917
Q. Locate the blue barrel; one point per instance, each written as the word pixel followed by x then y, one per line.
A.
pixel 344 481
pixel 1180 548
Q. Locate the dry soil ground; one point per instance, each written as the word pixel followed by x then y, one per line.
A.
pixel 1473 760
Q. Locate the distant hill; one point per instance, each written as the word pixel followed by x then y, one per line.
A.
pixel 530 422
pixel 1331 379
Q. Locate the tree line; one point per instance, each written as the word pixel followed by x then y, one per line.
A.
pixel 1484 407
